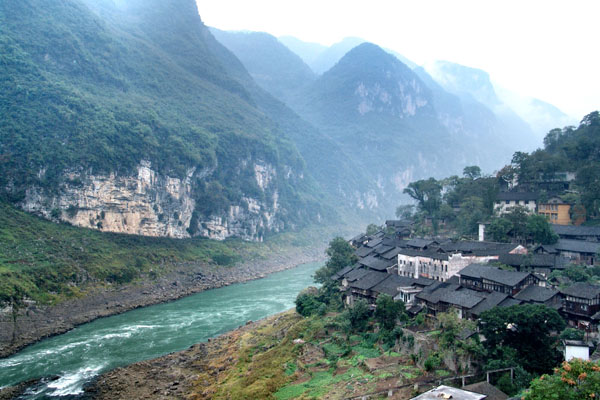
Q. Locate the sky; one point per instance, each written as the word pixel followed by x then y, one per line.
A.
pixel 545 49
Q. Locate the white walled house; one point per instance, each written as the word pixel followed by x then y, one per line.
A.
pixel 508 200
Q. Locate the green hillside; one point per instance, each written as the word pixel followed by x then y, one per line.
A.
pixel 100 86
pixel 49 262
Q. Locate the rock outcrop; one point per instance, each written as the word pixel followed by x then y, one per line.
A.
pixel 150 204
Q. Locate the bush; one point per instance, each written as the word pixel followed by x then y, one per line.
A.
pixel 432 362
pixel 307 304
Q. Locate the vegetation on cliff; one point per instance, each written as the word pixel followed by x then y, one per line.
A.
pixel 98 86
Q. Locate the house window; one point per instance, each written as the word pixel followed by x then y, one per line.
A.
pixel 507 201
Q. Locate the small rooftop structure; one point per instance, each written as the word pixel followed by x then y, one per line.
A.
pixel 577 349
pixel 447 392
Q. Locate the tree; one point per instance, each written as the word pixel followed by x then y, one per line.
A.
pixel 341 255
pixel 499 230
pixel 571 334
pixel 372 229
pixel 472 172
pixel 387 311
pixel 358 316
pixel 307 303
pixel 526 329
pixel 574 380
pixel 427 193
pixel 539 230
pixel 405 211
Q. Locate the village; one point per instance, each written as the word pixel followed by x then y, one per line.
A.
pixel 470 277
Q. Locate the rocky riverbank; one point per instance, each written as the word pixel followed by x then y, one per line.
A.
pixel 36 322
pixel 195 373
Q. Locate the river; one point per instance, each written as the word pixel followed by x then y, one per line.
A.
pixel 81 354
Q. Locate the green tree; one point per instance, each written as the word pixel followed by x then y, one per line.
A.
pixel 499 230
pixel 341 255
pixel 574 380
pixel 388 311
pixel 526 329
pixel 427 193
pixel 405 211
pixel 307 303
pixel 358 316
pixel 372 229
pixel 571 334
pixel 472 172
pixel 539 230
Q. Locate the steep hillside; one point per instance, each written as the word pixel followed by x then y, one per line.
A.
pixel 308 51
pixel 272 65
pixel 385 117
pixel 330 56
pixel 121 116
pixel 475 88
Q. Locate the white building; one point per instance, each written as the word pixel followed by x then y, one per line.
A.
pixel 507 200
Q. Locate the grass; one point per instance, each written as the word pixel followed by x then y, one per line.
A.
pixel 49 262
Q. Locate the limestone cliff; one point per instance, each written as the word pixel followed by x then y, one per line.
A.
pixel 150 204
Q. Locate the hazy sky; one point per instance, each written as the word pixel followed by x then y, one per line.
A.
pixel 546 49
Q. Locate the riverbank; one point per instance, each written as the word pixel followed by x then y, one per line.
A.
pixel 193 373
pixel 36 322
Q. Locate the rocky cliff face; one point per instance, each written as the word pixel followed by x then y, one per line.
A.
pixel 150 204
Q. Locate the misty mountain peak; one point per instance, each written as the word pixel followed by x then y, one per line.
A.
pixel 465 81
pixel 378 81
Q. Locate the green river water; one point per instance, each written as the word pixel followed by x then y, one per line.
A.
pixel 80 355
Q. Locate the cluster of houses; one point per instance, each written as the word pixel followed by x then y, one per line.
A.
pixel 464 277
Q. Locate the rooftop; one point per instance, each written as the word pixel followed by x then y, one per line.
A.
pixel 536 294
pixel 582 290
pixel 509 278
pixel 447 392
pixel 533 260
pixel 573 230
pixel 369 280
pixel 577 246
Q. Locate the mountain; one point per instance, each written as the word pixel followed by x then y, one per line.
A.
pixel 474 87
pixel 351 190
pixel 130 117
pixel 382 115
pixel 271 64
pixel 308 51
pixel 330 56
pixel 540 115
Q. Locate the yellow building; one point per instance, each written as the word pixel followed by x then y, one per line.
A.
pixel 556 211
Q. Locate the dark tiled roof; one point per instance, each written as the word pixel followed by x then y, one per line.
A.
pixel 509 278
pixel 375 263
pixel 374 242
pixel 342 272
pixel 363 251
pixel 382 248
pixel 577 246
pixel 516 196
pixel 420 243
pixel 582 290
pixel 536 294
pixel 369 280
pixel 491 392
pixel 509 301
pixel 393 253
pixel 465 298
pixel 355 274
pixel 399 223
pixel 391 284
pixel 572 230
pixel 490 301
pixel 533 260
